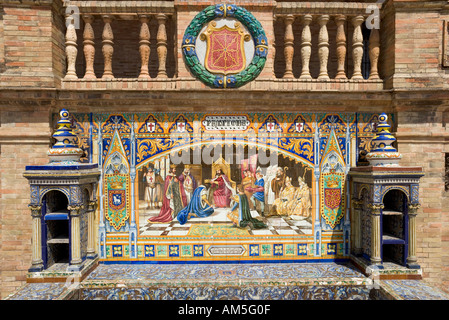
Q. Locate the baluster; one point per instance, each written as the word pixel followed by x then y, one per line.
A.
pixel 71 51
pixel 162 45
pixel 144 46
pixel 108 48
pixel 374 50
pixel 288 46
pixel 306 47
pixel 323 47
pixel 357 47
pixel 89 49
pixel 341 46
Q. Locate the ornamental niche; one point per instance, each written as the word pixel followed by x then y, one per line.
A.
pixel 225 46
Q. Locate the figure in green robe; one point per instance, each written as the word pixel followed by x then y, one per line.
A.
pixel 240 213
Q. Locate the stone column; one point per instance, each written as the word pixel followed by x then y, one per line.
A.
pixel 144 46
pixel 323 47
pixel 89 48
pixel 341 46
pixel 71 51
pixel 306 47
pixel 357 47
pixel 108 49
pixel 37 263
pixel 375 233
pixel 162 45
pixel 374 50
pixel 75 237
pixel 411 257
pixel 288 46
pixel 356 226
pixel 91 230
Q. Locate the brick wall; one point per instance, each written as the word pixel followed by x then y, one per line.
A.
pixel 24 140
pixel 32 55
pixel 427 149
pixel 27 38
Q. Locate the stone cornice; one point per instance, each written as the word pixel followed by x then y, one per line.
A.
pixel 247 4
pixel 331 8
pixel 28 2
pixel 419 5
pixel 122 7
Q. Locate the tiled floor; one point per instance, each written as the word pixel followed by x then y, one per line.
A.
pixel 276 225
pixel 413 290
pixel 287 276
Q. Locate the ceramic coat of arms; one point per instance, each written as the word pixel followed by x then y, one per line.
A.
pixel 225 46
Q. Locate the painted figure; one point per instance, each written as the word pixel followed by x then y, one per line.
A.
pixel 247 184
pixel 240 213
pixel 153 189
pixel 172 202
pixel 258 197
pixel 301 201
pixel 269 194
pixel 282 205
pixel 222 190
pixel 177 196
pixel 188 182
pixel 277 184
pixel 198 206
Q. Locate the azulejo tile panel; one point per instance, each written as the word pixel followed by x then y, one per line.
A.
pixel 229 293
pixel 219 186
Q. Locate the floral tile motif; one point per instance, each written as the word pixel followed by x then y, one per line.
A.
pixel 229 293
pixel 413 290
pixel 39 291
pixel 212 272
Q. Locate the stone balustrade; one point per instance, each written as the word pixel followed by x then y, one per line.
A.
pixel 330 34
pixel 139 11
pixel 323 41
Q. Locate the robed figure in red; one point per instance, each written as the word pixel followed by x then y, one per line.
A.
pixel 174 199
pixel 221 187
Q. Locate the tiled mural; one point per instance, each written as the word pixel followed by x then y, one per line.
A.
pixel 230 186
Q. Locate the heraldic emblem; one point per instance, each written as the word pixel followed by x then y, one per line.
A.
pixel 225 46
pixel 332 185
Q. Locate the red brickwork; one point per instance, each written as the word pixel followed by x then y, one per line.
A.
pixel 33 64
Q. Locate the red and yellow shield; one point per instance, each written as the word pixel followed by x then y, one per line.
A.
pixel 332 197
pixel 225 53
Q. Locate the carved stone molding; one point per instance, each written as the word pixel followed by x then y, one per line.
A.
pixel 108 49
pixel 288 46
pixel 375 209
pixel 71 51
pixel 144 46
pixel 413 208
pixel 162 45
pixel 89 46
pixel 306 47
pixel 323 47
pixel 357 47
pixel 341 46
pixel 36 210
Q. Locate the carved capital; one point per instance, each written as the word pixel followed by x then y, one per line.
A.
pixel 413 208
pixel 93 205
pixel 375 208
pixel 357 204
pixel 36 210
pixel 75 210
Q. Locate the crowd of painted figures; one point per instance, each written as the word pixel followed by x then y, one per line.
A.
pixel 181 197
